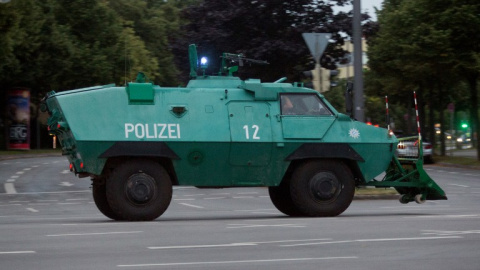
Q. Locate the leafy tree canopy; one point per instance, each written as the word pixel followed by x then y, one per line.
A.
pixel 263 30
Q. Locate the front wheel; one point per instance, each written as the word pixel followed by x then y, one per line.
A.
pixel 322 188
pixel 139 190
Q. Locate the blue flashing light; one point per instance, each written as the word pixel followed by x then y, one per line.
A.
pixel 203 62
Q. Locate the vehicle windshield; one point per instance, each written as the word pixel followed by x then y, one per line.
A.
pixel 303 104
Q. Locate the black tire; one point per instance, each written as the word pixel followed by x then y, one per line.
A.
pixel 99 192
pixel 322 188
pixel 139 190
pixel 282 199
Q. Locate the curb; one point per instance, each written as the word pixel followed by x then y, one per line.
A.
pixel 445 164
pixel 22 156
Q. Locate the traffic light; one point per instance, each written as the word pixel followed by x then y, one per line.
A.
pixel 320 79
pixel 328 79
pixel 310 78
pixel 464 125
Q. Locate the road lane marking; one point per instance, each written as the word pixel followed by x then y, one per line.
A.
pixel 50 192
pixel 440 233
pixel 214 198
pixel 237 262
pixel 88 234
pixel 33 210
pixel 237 244
pixel 14 176
pixel 191 205
pixel 20 172
pixel 242 226
pixel 447 216
pixel 266 213
pixel 255 210
pixel 18 252
pixel 457 185
pixel 10 188
pixel 205 246
pixel 11 180
pixel 65 184
pixel 68 203
pixel 374 240
pixel 295 240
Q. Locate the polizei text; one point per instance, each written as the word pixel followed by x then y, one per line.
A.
pixel 152 131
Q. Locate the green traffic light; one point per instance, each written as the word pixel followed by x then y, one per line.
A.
pixel 464 125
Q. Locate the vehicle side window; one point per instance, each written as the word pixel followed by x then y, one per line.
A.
pixel 302 104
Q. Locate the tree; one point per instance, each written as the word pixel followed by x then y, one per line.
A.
pixel 264 30
pixel 462 17
pixel 154 23
pixel 59 45
pixel 417 48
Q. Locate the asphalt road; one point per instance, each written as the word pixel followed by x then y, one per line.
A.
pixel 48 221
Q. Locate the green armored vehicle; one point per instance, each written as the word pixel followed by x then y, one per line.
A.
pixel 137 141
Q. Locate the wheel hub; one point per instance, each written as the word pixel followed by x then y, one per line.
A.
pixel 140 188
pixel 324 186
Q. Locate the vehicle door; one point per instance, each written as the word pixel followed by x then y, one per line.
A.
pixel 251 134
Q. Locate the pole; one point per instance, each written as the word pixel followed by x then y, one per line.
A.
pixel 359 102
pixel 452 148
pixel 320 79
pixel 416 114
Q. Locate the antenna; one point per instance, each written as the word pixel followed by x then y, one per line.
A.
pixel 125 59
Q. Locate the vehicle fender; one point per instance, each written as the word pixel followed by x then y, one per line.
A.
pixel 325 150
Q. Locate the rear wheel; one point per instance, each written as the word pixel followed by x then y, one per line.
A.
pixel 322 188
pixel 99 192
pixel 282 199
pixel 139 190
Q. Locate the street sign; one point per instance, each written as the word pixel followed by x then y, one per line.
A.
pixel 316 42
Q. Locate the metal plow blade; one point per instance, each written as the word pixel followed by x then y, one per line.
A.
pixel 407 176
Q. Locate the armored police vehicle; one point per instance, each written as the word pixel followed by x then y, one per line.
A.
pixel 137 141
